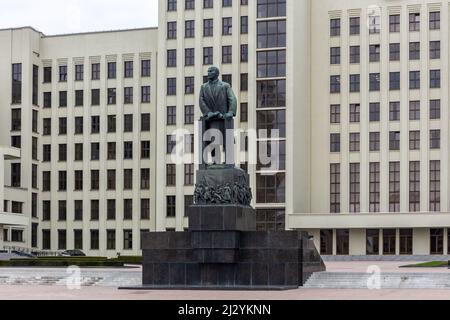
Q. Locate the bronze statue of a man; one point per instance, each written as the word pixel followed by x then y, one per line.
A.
pixel 217 100
pixel 219 107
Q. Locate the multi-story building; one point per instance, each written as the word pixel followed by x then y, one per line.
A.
pixel 81 108
pixel 355 93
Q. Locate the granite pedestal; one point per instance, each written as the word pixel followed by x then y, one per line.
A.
pixel 223 251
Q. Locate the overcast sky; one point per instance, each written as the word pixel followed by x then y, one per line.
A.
pixel 69 16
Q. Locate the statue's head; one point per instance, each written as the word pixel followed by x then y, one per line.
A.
pixel 213 73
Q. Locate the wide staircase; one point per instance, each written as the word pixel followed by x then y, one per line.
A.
pixel 344 280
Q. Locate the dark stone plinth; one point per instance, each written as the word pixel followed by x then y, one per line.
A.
pixel 222 249
pixel 229 260
pixel 221 218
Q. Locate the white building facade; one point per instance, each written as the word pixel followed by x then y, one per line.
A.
pixel 358 91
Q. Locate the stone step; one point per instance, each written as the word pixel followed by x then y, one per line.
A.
pixel 341 280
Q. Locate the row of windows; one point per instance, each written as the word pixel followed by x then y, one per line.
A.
pixel 189 83
pixel 207 4
pixel 394 141
pixel 78 214
pixel 208 27
pixel 111 152
pixel 96 71
pixel 111 125
pixel 394 187
pixel 394 111
pixel 388 241
pixel 111 97
pixel 394 52
pixel 394 81
pixel 208 56
pixel 94 239
pixel 95 180
pixel 394 24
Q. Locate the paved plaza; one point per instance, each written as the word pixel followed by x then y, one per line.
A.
pixel 102 284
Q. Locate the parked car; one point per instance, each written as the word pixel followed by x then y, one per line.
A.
pixel 22 254
pixel 72 253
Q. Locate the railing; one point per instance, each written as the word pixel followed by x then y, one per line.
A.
pixel 38 253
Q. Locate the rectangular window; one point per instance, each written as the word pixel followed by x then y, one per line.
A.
pixel 374 141
pixel 335 27
pixel 435 109
pixel 354 25
pixel 414 22
pixel 128 95
pixel 354 142
pixel 374 112
pixel 35 85
pixel 394 23
pixel 374 82
pixel 394 51
pixel 95 71
pixel 435 139
pixel 354 82
pixel 47 74
pixel 406 241
pixel 354 54
pixel 394 141
pixel 110 239
pixel 128 179
pixel 170 175
pixel 335 84
pixel 16 83
pixel 374 187
pixel 435 20
pixel 111 209
pixel 394 187
pixel 435 78
pixel 335 55
pixel 414 51
pixel 414 80
pixel 79 98
pixel 171 206
pixel 112 67
pixel 394 81
pixel 414 110
pixel 354 188
pixel 145 209
pixel 128 69
pixel 414 140
pixel 171 30
pixel 189 114
pixel 146 68
pixel 227 26
pixel 94 239
pixel 414 186
pixel 335 114
pixel 374 53
pixel 389 241
pixel 372 242
pixel 128 239
pixel 355 111
pixel 189 29
pixel 47 100
pixel 435 49
pixel 79 72
pixel 335 142
pixel 335 188
pixel 436 241
pixel 394 111
pixel 435 186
